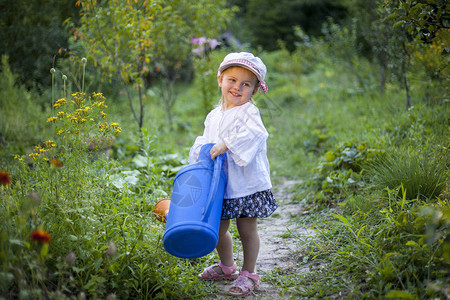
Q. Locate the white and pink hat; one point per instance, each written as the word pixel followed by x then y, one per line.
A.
pixel 248 61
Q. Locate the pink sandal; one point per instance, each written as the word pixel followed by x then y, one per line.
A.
pixel 247 282
pixel 228 273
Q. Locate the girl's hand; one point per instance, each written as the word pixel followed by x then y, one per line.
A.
pixel 218 149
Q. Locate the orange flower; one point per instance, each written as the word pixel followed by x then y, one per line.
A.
pixel 4 178
pixel 40 236
pixel 56 163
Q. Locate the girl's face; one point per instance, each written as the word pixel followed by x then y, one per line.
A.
pixel 238 85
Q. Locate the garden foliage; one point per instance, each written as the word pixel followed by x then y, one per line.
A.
pixel 130 41
pixel 78 184
pixel 74 221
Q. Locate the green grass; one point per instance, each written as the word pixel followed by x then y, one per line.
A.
pixel 421 175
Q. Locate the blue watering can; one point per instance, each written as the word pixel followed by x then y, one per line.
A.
pixel 196 206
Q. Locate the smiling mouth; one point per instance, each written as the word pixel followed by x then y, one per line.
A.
pixel 235 94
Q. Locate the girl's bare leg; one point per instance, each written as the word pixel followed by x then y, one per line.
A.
pixel 248 233
pixel 225 245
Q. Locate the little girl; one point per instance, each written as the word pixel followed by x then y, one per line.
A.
pixel 236 127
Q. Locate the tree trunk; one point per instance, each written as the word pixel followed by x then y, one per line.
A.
pixel 141 108
pixel 382 79
pixel 141 118
pixel 405 80
pixel 405 84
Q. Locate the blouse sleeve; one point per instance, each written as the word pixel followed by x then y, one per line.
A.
pixel 247 139
pixel 199 142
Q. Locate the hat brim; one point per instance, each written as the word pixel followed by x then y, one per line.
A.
pixel 227 66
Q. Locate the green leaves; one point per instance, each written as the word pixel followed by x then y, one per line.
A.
pixel 401 295
pixel 131 39
pixel 339 170
pixel 421 19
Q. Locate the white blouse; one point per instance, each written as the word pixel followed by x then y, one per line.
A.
pixel 243 132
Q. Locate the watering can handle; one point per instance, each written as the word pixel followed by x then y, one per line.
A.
pixel 218 162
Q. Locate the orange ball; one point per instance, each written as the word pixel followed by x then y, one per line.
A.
pixel 162 209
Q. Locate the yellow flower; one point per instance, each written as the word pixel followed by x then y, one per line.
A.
pixel 103 114
pixel 49 144
pixel 98 96
pixel 60 102
pixel 60 114
pixel 115 127
pixel 103 127
pixel 100 104
pixel 33 155
pixel 52 119
pixel 61 131
pixel 78 98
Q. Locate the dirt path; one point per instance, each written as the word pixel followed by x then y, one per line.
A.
pixel 277 250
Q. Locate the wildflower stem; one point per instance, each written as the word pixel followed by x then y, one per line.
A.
pixel 52 71
pixel 53 92
pixel 82 84
pixel 64 77
pixel 83 61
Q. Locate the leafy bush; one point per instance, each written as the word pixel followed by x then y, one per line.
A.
pixel 340 170
pixel 76 223
pixel 316 141
pixel 66 233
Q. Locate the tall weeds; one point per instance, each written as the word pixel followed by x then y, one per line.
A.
pixel 422 175
pixel 75 224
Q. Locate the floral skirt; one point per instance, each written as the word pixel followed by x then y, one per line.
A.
pixel 258 205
